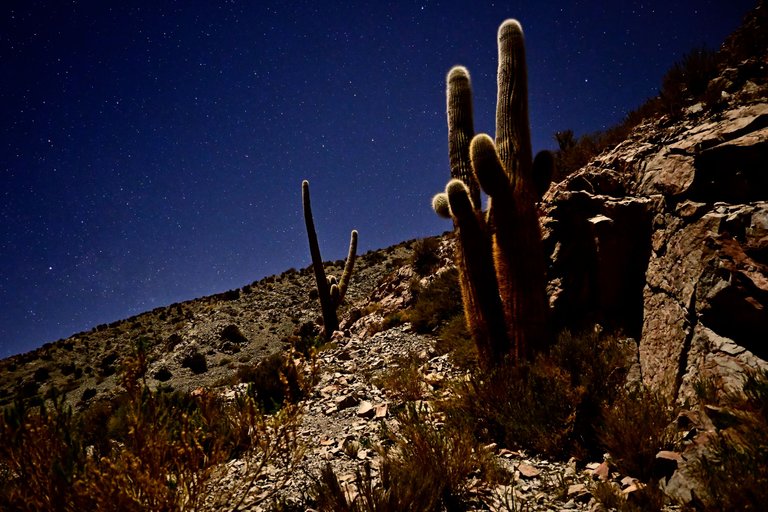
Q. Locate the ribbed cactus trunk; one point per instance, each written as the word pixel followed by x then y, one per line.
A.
pixel 499 255
pixel 330 294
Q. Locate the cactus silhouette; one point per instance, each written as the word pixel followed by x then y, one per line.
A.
pixel 330 292
pixel 499 253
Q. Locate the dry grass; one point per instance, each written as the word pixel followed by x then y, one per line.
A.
pixel 427 468
pixel 159 451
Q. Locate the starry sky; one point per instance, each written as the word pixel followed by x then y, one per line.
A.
pixel 153 152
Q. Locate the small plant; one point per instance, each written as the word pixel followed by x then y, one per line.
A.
pixel 273 381
pixel 403 378
pixel 688 78
pixel 635 428
pixel 454 339
pixel 196 362
pixel 233 333
pixel 425 256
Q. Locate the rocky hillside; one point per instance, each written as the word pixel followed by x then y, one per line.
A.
pixel 190 344
pixel 662 239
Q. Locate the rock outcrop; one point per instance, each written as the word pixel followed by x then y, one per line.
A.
pixel 665 238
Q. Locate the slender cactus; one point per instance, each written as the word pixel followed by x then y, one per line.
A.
pixel 330 293
pixel 499 254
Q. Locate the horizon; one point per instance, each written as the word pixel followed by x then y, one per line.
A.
pixel 154 154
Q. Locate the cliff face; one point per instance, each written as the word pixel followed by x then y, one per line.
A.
pixel 665 238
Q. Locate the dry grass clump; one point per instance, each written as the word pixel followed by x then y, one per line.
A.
pixel 403 378
pixel 635 428
pixel 551 404
pixel 427 468
pixel 734 469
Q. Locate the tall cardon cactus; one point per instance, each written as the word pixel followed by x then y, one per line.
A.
pixel 330 292
pixel 499 252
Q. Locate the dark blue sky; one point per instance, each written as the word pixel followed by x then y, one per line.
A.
pixel 153 152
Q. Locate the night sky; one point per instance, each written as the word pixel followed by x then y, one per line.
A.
pixel 153 152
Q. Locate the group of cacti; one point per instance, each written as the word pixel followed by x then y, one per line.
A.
pixel 499 252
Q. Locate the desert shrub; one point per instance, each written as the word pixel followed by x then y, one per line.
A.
pixel 403 377
pixel 425 256
pixel 598 364
pixel 163 374
pixel 551 404
pixel 454 339
pixel 233 333
pixel 68 368
pixel 28 389
pixel 436 303
pixel 42 374
pixel 687 79
pixel 528 406
pixel 274 380
pixel 391 320
pixel 196 362
pixel 161 457
pixel 648 497
pixel 635 428
pixel 740 449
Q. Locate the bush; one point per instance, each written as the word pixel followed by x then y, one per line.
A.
pixel 437 303
pixel 635 428
pixel 195 362
pixel 274 380
pixel 425 256
pixel 158 454
pixel 403 377
pixel 41 374
pixel 527 406
pixel 687 80
pixel 233 333
pixel 549 405
pixel 454 339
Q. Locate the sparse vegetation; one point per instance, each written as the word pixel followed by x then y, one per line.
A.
pixel 733 470
pixel 436 303
pixel 550 405
pixel 426 468
pixel 635 428
pixel 167 446
pixel 272 381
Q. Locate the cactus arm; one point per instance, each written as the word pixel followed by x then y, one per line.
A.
pixel 461 128
pixel 441 206
pixel 348 266
pixel 330 319
pixel 483 310
pixel 513 137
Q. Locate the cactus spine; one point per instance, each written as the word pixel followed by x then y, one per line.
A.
pixel 330 293
pixel 499 253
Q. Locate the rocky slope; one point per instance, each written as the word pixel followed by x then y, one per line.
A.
pixel 663 238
